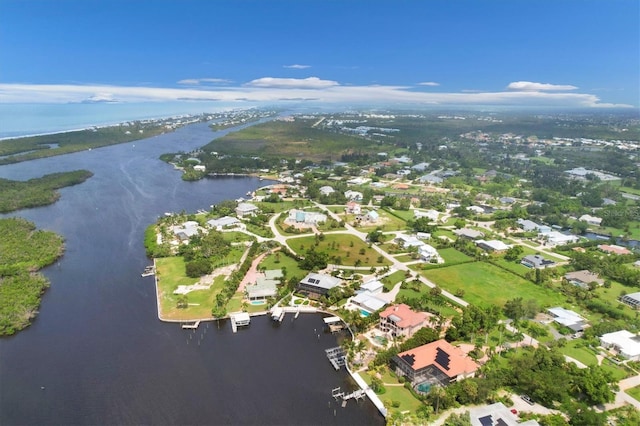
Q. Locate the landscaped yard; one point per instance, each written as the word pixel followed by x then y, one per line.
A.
pixel 395 393
pixel 391 280
pixel 170 273
pixel 346 247
pixel 279 260
pixel 485 284
pixel 634 393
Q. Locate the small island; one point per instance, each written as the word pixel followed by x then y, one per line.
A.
pixel 25 250
pixel 42 191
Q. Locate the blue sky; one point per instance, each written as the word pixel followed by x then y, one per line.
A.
pixel 558 53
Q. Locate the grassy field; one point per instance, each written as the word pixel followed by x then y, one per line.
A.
pixel 452 256
pixel 270 262
pixel 171 274
pixel 485 284
pixel 395 393
pixel 391 280
pixel 386 222
pixel 634 393
pixel 611 295
pixel 345 246
pixel 292 140
pixel 582 354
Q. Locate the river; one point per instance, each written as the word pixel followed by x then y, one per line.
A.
pixel 97 354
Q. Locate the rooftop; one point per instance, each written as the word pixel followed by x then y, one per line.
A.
pixel 403 316
pixel 447 358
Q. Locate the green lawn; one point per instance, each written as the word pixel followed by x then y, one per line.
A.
pixel 345 246
pixel 283 206
pixel 273 261
pixel 611 295
pixel 452 256
pixel 396 393
pixel 235 304
pixel 171 274
pixel 235 237
pixel 485 284
pixel 582 354
pixel 391 280
pixel 634 393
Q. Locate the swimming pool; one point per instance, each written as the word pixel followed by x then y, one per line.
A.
pixel 258 302
pixel 364 313
pixel 423 387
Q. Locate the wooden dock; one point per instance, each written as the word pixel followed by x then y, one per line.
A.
pixel 336 357
pixel 191 325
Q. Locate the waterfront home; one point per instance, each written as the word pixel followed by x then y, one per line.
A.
pixel 614 249
pixel 266 285
pixel 468 233
pixel 623 343
pixel 246 209
pixel 436 363
pixel 631 299
pixel 401 320
pixel 530 226
pixel 591 220
pixel 555 238
pixel 568 318
pixel 476 209
pixel 536 261
pixel 494 246
pixel 317 285
pixel 368 302
pixel 583 278
pixel 223 222
pixel 185 231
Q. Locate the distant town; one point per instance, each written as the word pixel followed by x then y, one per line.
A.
pixel 486 266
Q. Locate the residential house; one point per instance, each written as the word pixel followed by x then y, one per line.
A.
pixel 428 253
pixel 631 299
pixel 583 278
pixel 431 179
pixel 373 287
pixel 223 222
pixel 368 302
pixel 246 209
pixel 494 246
pixel 401 320
pixel 432 215
pixel 536 261
pixel 468 233
pixel 496 414
pixel 187 230
pixel 200 168
pixel 623 343
pixel 407 241
pixel 568 318
pixel 555 238
pixel 591 220
pixel 530 226
pixel 353 208
pixel 316 285
pixel 372 216
pixel 476 209
pixel 614 249
pixel 436 363
pixel 353 195
pixel 308 218
pixel 326 190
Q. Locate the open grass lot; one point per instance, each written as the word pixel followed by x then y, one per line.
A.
pixel 171 274
pixel 283 206
pixel 582 354
pixel 395 393
pixel 611 295
pixel 485 284
pixel 346 246
pixel 405 215
pixel 236 237
pixel 273 261
pixel 634 393
pixel 443 310
pixel 453 256
pixel 391 280
pixel 629 190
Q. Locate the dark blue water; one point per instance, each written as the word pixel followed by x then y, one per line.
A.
pixel 97 346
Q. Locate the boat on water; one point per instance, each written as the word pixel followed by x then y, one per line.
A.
pixel 148 271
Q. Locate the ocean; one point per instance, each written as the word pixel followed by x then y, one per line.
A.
pixel 34 119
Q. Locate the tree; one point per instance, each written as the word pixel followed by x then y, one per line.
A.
pixel 594 384
pixel 514 309
pixel 513 253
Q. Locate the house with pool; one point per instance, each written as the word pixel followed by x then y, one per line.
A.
pixel 436 363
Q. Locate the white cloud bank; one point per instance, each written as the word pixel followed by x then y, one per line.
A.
pixel 529 86
pixel 297 66
pixel 197 81
pixel 271 90
pixel 429 83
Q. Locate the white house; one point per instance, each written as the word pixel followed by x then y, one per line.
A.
pixel 199 168
pixel 353 195
pixel 476 209
pixel 246 209
pixel 372 216
pixel 432 215
pixel 555 238
pixel 407 241
pixel 591 220
pixel 326 190
pixel 568 318
pixel 493 245
pixel 428 253
pixel 222 222
pixel 625 343
pixel 309 218
pixel 373 287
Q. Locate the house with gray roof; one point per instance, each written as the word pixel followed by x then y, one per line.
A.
pixel 468 233
pixel 222 222
pixel 315 285
pixel 583 278
pixel 631 299
pixel 246 209
pixel 568 318
pixel 536 261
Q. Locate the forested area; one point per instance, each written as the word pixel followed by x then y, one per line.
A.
pixel 24 250
pixel 16 195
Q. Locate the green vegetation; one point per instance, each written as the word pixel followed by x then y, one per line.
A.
pixel 16 195
pixel 485 284
pixel 24 250
pixel 32 147
pixel 296 139
pixel 634 392
pixel 342 249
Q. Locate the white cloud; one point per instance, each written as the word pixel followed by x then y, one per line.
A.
pixel 292 83
pixel 100 98
pixel 197 81
pixel 429 83
pixel 271 89
pixel 297 66
pixel 529 86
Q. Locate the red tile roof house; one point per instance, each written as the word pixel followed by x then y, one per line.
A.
pixel 436 363
pixel 613 249
pixel 400 320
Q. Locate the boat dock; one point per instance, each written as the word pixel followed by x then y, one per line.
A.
pixel 336 357
pixel 358 394
pixel 148 271
pixel 191 325
pixel 334 323
pixel 277 314
pixel 239 319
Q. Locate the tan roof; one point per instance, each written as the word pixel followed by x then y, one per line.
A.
pixel 447 358
pixel 614 249
pixel 406 317
pixel 584 276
